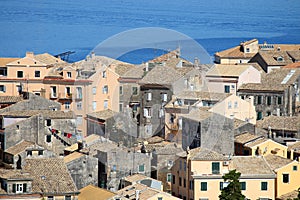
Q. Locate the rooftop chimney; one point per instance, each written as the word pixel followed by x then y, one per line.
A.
pixel 29 54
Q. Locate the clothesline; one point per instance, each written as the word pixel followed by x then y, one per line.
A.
pixel 68 135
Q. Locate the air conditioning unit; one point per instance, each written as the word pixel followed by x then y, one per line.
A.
pixel 225 163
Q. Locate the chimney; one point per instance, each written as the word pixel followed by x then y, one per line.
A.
pixel 196 62
pixel 93 55
pixel 147 67
pixel 137 194
pixel 29 54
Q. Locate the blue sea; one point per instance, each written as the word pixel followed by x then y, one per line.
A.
pixel 57 26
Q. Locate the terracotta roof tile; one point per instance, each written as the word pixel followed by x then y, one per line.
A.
pixel 280 123
pixel 91 192
pixel 103 114
pixel 10 99
pixel 227 70
pixel 47 113
pixel 4 61
pixel 14 174
pixel 73 156
pixel 292 66
pixel 272 58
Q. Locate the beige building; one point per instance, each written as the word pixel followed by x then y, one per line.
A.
pixel 198 175
pixel 287 172
pixel 228 78
pixel 235 107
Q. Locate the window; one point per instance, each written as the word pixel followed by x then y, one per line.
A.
pixel 2 88
pixel 229 105
pixel 114 168
pixel 94 89
pixel 269 100
pixel 40 152
pixel 180 181
pixel 105 104
pixel 235 104
pixel 173 179
pixel 164 97
pixel 134 90
pixel 147 112
pixel 247 50
pixel 68 197
pixel 78 92
pixel 20 74
pixel 3 71
pixel 159 198
pixel 120 107
pixel 79 120
pixel 279 100
pixel 69 74
pixel 120 90
pixel 180 164
pixel 184 166
pixel 223 185
pixel 215 168
pixel 105 89
pixel 67 105
pixel 169 177
pixel 68 92
pixel 259 100
pixel 285 178
pixel 184 182
pixel 295 168
pixel 29 153
pixel 79 105
pixel 264 186
pixel 142 168
pixel 243 185
pixel 94 105
pixel 48 138
pixel 53 92
pixel 259 115
pixel 50 198
pixel 203 186
pixel 227 89
pixel 191 185
pixel 37 73
pixel 19 188
pixel 48 122
pixel 104 74
pixel 148 96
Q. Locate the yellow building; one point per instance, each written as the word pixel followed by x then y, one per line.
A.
pixel 257 145
pixel 92 192
pixel 198 173
pixel 288 174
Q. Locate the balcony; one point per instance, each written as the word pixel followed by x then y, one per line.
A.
pixel 65 95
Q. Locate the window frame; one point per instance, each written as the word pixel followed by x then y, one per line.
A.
pixel 37 73
pixel 143 167
pixel 263 186
pixel 213 165
pixel 203 186
pixel 227 89
pixel 19 75
pixel 134 90
pixel 285 177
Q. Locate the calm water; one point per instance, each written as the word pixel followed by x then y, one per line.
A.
pixel 56 26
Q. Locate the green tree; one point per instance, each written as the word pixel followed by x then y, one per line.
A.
pixel 233 189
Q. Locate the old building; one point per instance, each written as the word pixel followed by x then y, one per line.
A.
pixel 116 126
pixel 277 94
pixel 181 104
pixel 15 156
pixel 208 130
pixel 163 158
pixel 281 128
pixel 287 172
pixel 141 179
pixel 257 145
pixel 92 192
pixel 117 161
pixel 228 78
pixel 235 107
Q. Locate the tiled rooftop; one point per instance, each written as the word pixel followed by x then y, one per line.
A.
pixel 272 57
pixel 47 113
pixel 14 174
pixel 246 137
pixel 277 162
pixel 130 191
pixel 256 142
pixel 250 165
pixel 202 95
pixel 48 59
pixel 73 156
pixel 50 176
pixel 203 154
pixel 227 70
pixel 103 114
pixel 91 192
pixel 4 61
pixel 280 123
pixel 10 99
pixel 198 114
pixel 18 148
pixel 135 178
pixel 292 65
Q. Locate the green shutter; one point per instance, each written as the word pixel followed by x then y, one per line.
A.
pixel 14 188
pixel 24 187
pixel 216 168
pixel 203 186
pixel 243 185
pixel 264 185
